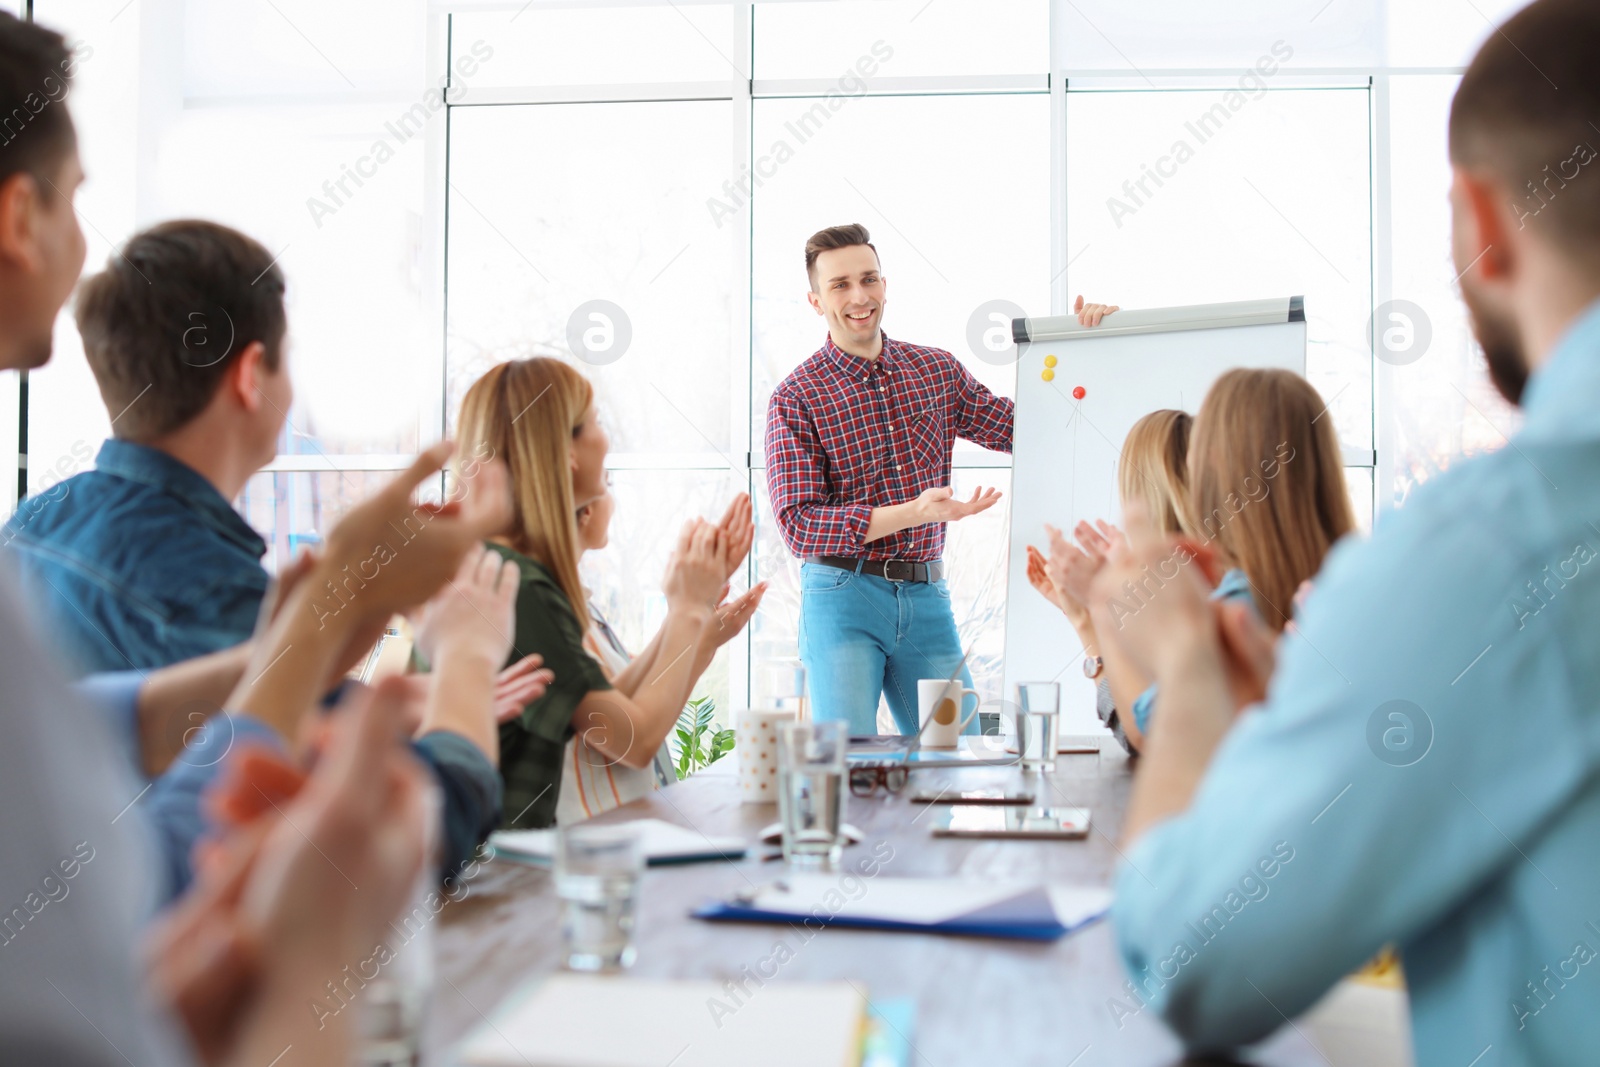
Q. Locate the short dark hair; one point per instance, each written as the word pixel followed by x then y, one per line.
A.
pixel 1523 112
pixel 831 238
pixel 36 131
pixel 168 316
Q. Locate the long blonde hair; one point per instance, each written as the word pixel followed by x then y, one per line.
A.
pixel 526 413
pixel 1267 482
pixel 1154 469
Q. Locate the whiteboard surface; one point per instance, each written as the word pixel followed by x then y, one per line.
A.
pixel 1065 460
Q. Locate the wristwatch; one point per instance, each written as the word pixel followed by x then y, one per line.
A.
pixel 1092 666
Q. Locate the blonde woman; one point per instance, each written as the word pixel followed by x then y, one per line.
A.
pixel 1267 495
pixel 1267 484
pixel 1154 472
pixel 538 417
pixel 592 783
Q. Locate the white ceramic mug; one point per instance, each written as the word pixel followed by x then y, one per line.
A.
pixel 940 700
pixel 756 745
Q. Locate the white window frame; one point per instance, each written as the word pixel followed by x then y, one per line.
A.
pixel 742 92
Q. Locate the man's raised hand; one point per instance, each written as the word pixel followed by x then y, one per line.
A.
pixel 940 504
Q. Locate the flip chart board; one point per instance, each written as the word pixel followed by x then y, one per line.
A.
pixel 1079 392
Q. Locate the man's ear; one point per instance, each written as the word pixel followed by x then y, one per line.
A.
pixel 814 300
pixel 19 209
pixel 1487 211
pixel 243 380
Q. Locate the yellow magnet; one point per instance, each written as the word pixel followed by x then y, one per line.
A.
pixel 1049 361
pixel 1048 375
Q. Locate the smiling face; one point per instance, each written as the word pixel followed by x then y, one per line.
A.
pixel 594 521
pixel 848 292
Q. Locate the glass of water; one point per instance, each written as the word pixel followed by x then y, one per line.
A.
pixel 395 1001
pixel 1038 724
pixel 598 870
pixel 811 792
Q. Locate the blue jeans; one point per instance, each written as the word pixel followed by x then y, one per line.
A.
pixel 861 635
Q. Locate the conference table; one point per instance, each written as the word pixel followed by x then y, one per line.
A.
pixel 980 1001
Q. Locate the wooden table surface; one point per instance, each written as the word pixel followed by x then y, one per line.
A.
pixel 979 1001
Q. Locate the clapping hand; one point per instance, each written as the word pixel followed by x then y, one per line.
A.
pixel 738 531
pixel 730 617
pixel 475 613
pixel 515 687
pixel 402 552
pixel 1173 620
pixel 699 567
pixel 1071 568
pixel 269 913
pixel 520 685
pixel 1039 578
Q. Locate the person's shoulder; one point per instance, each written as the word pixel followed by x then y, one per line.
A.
pixel 927 356
pixel 1471 535
pixel 796 381
pixel 914 350
pixel 531 569
pixel 538 581
pixel 119 524
pixel 60 504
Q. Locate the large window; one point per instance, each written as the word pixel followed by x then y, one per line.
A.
pixel 451 184
pixel 308 138
pixel 678 222
pixel 1186 197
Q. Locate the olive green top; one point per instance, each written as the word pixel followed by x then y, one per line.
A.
pixel 533 744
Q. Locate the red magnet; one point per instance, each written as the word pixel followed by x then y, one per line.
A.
pixel 1078 392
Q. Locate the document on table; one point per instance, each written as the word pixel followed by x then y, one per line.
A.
pixel 573 1021
pixel 1029 910
pixel 662 842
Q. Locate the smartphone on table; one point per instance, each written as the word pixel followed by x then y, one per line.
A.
pixel 973 796
pixel 976 820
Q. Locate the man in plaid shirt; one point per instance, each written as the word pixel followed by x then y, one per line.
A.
pixel 858 469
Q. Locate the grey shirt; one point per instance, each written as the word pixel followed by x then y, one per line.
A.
pixel 77 881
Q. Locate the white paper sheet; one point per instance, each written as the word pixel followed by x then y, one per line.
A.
pixel 580 1021
pixel 659 839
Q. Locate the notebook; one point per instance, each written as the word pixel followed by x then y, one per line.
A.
pixel 570 1020
pixel 1029 911
pixel 663 843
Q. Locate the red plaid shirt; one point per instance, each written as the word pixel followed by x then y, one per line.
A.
pixel 845 436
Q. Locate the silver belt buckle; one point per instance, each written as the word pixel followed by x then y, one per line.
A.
pixel 897 562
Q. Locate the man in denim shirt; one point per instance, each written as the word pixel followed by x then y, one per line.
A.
pixel 1424 770
pixel 143 562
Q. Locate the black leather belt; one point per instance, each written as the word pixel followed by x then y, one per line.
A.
pixel 895 570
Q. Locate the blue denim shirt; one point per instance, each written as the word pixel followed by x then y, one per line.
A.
pixel 1233 586
pixel 138 563
pixel 1425 771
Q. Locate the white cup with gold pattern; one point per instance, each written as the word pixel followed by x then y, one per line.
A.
pixel 756 730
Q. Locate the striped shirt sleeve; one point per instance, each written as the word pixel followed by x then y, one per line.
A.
pixel 798 485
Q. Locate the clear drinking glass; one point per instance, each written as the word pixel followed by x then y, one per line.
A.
pixel 1038 724
pixel 811 792
pixel 598 870
pixel 780 685
pixel 395 999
